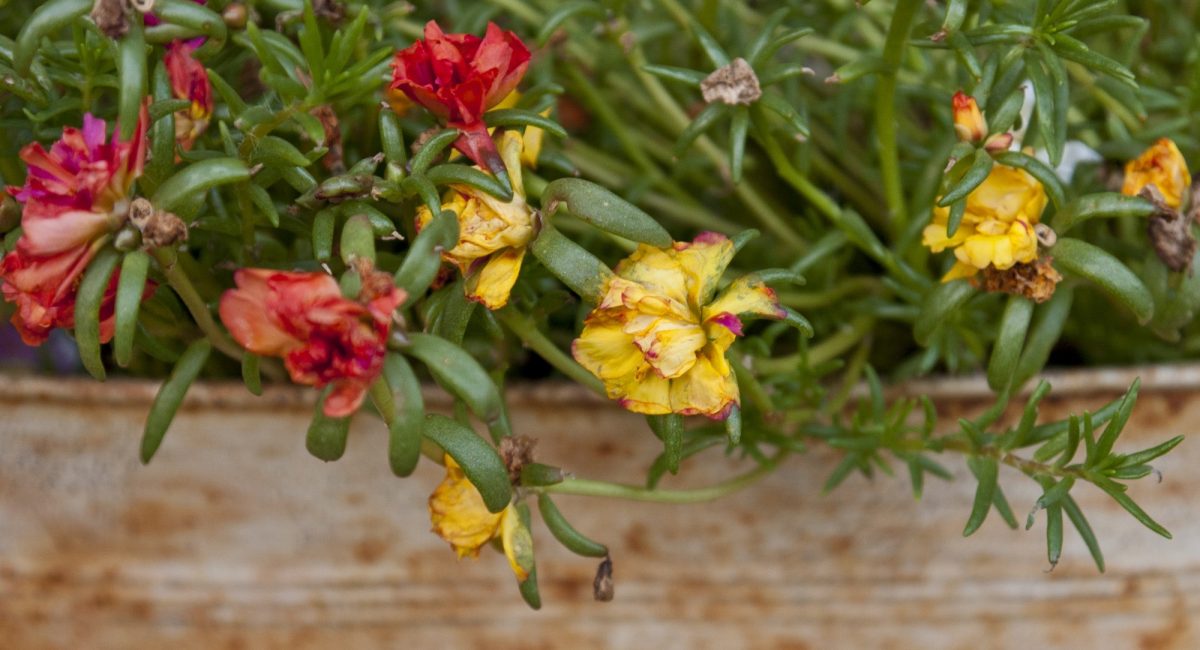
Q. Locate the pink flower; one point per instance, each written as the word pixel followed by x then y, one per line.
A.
pixel 323 337
pixel 74 195
pixel 458 77
pixel 189 81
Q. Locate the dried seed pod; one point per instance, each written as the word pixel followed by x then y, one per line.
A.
pixel 732 84
pixel 111 16
pixel 602 586
pixel 1170 232
pixel 159 228
pixel 517 451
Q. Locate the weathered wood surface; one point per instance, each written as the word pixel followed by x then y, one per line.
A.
pixel 234 537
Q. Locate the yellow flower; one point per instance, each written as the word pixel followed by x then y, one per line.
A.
pixel 997 226
pixel 658 337
pixel 492 234
pixel 1163 166
pixel 460 517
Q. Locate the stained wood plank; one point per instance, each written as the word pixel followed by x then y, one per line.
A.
pixel 234 538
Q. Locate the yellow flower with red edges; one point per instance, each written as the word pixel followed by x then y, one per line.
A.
pixel 492 234
pixel 659 336
pixel 460 517
pixel 1162 166
pixel 997 228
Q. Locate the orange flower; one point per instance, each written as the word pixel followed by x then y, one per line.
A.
pixel 323 337
pixel 1162 166
pixel 75 195
pixel 189 81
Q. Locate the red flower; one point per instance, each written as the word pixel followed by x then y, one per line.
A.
pixel 189 81
pixel 458 77
pixel 323 337
pixel 74 195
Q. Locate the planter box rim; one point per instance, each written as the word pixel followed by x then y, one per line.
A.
pixel 232 394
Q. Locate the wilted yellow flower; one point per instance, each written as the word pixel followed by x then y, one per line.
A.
pixel 997 227
pixel 492 234
pixel 460 517
pixel 658 337
pixel 1162 166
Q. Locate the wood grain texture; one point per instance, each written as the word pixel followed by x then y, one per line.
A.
pixel 234 537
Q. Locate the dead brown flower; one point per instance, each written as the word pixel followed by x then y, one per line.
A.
pixel 732 84
pixel 1034 280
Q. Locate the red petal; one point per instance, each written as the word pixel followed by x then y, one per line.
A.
pixel 345 398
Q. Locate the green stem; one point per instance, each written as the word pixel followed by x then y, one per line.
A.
pixel 534 339
pixel 824 351
pixel 586 487
pixel 885 111
pixel 167 259
pixel 770 219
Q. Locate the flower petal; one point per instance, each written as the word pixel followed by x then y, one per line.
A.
pixel 244 312
pixel 50 235
pixel 458 514
pixel 705 390
pixel 517 542
pixel 493 282
pixel 746 296
pixel 605 350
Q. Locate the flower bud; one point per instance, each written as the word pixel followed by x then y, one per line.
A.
pixel 235 16
pixel 968 119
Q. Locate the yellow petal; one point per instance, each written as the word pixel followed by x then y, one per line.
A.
pixel 459 515
pixel 704 260
pixel 657 271
pixel 746 296
pixel 669 346
pixel 511 147
pixel 1005 195
pixel 958 271
pixel 605 350
pixel 1163 166
pixel 533 143
pixel 517 542
pixel 705 389
pixel 648 394
pixel 492 284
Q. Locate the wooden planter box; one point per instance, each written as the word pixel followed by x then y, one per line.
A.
pixel 234 537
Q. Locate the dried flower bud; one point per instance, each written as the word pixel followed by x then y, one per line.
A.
pixel 1034 280
pixel 331 10
pixel 517 451
pixel 1045 235
pixel 1170 232
pixel 159 228
pixel 111 16
pixel 602 586
pixel 732 84
pixel 235 16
